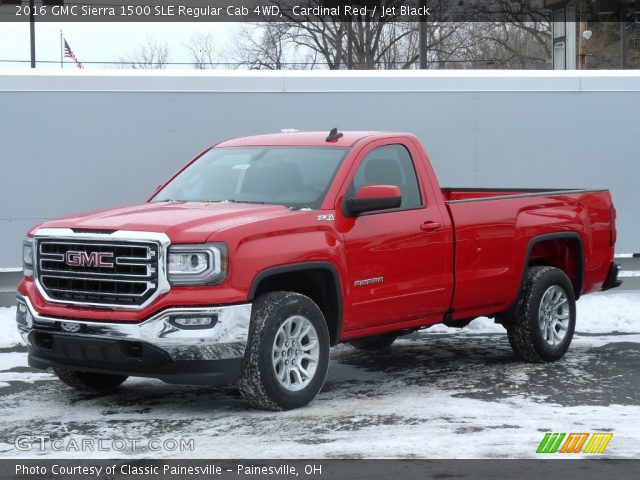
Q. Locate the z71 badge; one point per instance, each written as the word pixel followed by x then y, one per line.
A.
pixel 330 217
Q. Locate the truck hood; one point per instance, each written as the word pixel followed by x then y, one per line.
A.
pixel 183 222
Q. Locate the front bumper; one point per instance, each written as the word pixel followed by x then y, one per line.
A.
pixel 156 347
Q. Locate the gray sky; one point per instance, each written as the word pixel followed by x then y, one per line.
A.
pixel 103 41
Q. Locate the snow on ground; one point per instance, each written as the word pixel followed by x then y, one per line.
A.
pixel 606 313
pixel 624 274
pixel 8 332
pixel 596 313
pixel 439 393
pixel 442 396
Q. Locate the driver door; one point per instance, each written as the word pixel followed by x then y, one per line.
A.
pixel 396 259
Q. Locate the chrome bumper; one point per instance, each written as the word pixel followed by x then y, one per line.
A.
pixel 226 339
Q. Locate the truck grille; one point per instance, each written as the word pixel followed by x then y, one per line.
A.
pixel 98 273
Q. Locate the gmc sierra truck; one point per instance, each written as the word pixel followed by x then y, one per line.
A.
pixel 263 252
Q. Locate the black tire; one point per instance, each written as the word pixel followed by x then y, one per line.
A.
pixel 89 382
pixel 258 382
pixel 372 344
pixel 526 335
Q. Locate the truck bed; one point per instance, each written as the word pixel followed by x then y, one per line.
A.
pixel 494 230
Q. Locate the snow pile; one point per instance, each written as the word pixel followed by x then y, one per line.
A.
pixel 479 325
pixel 628 274
pixel 9 335
pixel 612 312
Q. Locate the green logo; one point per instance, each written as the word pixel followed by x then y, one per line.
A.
pixel 574 442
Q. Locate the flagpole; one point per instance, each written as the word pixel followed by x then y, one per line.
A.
pixel 61 50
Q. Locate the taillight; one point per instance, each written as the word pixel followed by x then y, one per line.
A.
pixel 613 233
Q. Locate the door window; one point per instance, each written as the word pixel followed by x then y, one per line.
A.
pixel 389 165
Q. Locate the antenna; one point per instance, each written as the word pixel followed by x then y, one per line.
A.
pixel 334 134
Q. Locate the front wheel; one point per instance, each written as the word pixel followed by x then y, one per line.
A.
pixel 542 327
pixel 287 354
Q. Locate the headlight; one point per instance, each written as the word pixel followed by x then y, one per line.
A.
pixel 27 257
pixel 204 264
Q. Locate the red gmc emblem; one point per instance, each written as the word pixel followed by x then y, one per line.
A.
pixel 89 259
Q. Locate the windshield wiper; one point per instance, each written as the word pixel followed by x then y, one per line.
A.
pixel 231 200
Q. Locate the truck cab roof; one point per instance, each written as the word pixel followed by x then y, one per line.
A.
pixel 316 139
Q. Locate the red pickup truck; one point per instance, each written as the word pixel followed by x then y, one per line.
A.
pixel 261 253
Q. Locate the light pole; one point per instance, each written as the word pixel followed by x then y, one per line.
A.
pixel 587 35
pixel 423 35
pixel 32 24
pixel 32 32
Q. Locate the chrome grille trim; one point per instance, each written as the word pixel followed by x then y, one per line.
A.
pixel 96 275
pixel 151 282
pixel 148 286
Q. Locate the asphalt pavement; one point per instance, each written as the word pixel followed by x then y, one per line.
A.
pixel 428 396
pixel 431 395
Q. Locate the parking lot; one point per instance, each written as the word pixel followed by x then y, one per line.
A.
pixel 437 393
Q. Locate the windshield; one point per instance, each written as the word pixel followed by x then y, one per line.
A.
pixel 292 176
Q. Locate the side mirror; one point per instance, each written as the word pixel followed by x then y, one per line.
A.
pixel 371 198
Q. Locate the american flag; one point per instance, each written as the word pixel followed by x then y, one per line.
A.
pixel 69 54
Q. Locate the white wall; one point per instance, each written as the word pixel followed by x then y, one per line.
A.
pixel 79 140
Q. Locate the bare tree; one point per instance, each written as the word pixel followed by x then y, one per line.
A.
pixel 370 41
pixel 515 34
pixel 510 45
pixel 331 41
pixel 269 46
pixel 401 46
pixel 341 42
pixel 203 51
pixel 403 53
pixel 150 55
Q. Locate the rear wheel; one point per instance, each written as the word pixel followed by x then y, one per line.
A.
pixel 87 381
pixel 287 355
pixel 371 344
pixel 542 328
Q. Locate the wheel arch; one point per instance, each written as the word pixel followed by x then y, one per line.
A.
pixel 574 247
pixel 319 280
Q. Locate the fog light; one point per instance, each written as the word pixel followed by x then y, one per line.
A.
pixel 194 322
pixel 23 315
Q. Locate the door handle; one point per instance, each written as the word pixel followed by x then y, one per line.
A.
pixel 430 226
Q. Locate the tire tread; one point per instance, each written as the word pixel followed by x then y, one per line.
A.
pixel 519 325
pixel 251 382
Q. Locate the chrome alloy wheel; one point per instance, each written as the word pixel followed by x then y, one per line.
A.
pixel 295 353
pixel 553 315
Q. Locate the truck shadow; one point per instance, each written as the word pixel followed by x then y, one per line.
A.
pixel 482 366
pixel 479 366
pixel 416 370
